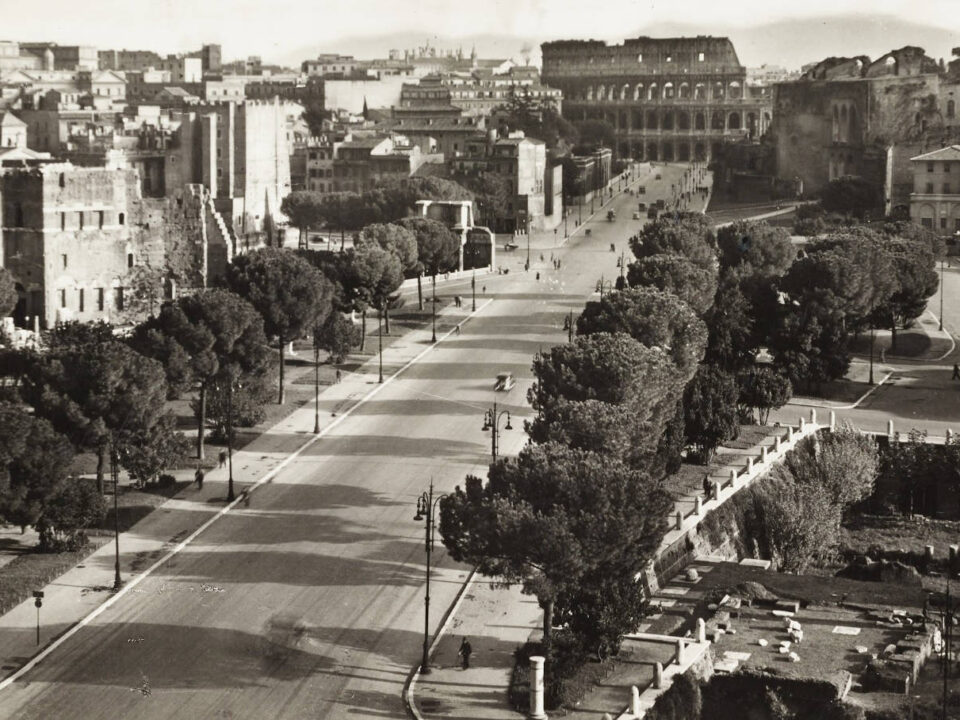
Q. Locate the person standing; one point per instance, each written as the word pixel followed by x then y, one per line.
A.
pixel 464 653
pixel 338 375
pixel 956 371
pixel 222 458
pixel 198 477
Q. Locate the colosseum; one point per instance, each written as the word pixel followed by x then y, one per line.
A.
pixel 670 99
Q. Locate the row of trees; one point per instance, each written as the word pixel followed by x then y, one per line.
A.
pixel 90 390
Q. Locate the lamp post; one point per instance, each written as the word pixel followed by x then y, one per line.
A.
pixel 941 293
pixel 230 495
pixel 526 227
pixel 434 303
pixel 568 326
pixel 473 290
pixel 491 421
pixel 380 338
pixel 426 505
pixel 316 387
pixel 600 286
pixel 115 471
pixel 622 264
pixel 870 381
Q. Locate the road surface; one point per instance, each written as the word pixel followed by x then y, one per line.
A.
pixel 310 602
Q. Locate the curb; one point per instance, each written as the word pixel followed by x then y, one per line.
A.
pixel 267 477
pixel 859 400
pixel 410 687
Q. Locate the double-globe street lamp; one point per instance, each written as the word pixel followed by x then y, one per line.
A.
pixel 426 510
pixel 491 421
pixel 230 384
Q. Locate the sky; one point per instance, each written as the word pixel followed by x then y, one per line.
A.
pixel 274 29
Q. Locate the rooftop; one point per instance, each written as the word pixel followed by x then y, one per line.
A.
pixel 951 152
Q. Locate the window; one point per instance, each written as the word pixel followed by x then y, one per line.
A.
pixel 951 108
pixel 700 57
pixel 946 188
pixel 639 57
pixel 64 259
pixel 946 167
pixel 929 188
pixel 100 299
pixel 80 219
pixel 118 297
pixel 63 298
pixel 929 167
pixel 956 224
pixel 129 260
pixel 80 301
pixel 63 221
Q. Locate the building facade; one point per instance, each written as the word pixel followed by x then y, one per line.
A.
pixel 935 200
pixel 82 244
pixel 669 99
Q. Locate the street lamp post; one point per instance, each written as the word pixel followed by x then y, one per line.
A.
pixel 491 421
pixel 115 471
pixel 316 388
pixel 230 495
pixel 600 286
pixel 473 290
pixel 426 505
pixel 941 293
pixel 870 381
pixel 380 339
pixel 434 303
pixel 568 326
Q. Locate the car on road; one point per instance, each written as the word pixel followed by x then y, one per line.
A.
pixel 504 382
pixel 652 213
pixel 636 216
pixel 510 246
pixel 659 176
pixel 642 207
pixel 642 190
pixel 611 215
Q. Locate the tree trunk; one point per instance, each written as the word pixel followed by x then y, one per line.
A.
pixel 893 335
pixel 386 318
pixel 202 420
pixel 547 626
pixel 282 344
pixel 363 329
pixel 343 238
pixel 101 462
pixel 420 290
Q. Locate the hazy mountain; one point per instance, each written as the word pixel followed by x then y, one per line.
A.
pixel 790 43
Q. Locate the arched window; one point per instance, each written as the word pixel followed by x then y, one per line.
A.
pixel 625 92
pixel 652 121
pixel 667 122
pixel 652 92
pixel 683 121
pixel 733 122
pixel 668 91
pixel 951 108
pixel 601 92
pixel 700 122
pixel 636 120
pixel 718 91
pixel 734 92
pixel 700 91
pixel 638 92
pixel 684 91
pixel 716 122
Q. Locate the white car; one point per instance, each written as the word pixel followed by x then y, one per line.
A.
pixel 504 382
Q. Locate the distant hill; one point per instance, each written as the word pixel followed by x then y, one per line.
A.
pixel 790 43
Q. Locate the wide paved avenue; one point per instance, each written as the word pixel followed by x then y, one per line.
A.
pixel 310 602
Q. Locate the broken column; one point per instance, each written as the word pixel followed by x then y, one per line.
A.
pixel 635 701
pixel 679 525
pixel 680 647
pixel 536 688
pixel 698 505
pixel 701 630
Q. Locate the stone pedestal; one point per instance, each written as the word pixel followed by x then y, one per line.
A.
pixel 635 701
pixel 701 630
pixel 536 688
pixel 658 676
pixel 680 651
pixel 813 417
pixel 679 525
pixel 698 505
pixel 890 429
pixel 716 490
pixel 833 419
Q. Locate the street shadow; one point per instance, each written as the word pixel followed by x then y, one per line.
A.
pixel 393 446
pixel 467 370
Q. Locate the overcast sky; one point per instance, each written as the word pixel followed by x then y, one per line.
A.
pixel 274 28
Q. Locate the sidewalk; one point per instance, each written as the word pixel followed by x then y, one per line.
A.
pixel 77 596
pixel 498 621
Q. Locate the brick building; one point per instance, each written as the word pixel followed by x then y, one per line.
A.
pixel 854 116
pixel 83 244
pixel 670 99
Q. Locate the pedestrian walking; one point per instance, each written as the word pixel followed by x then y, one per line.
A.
pixel 338 375
pixel 541 257
pixel 484 289
pixel 707 485
pixel 538 277
pixel 464 653
pixel 457 329
pixel 222 458
pixel 198 477
pixel 956 371
pixel 245 496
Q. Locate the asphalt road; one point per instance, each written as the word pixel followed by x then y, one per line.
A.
pixel 310 602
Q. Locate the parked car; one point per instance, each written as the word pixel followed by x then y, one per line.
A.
pixel 642 190
pixel 611 215
pixel 642 207
pixel 652 213
pixel 659 176
pixel 504 382
pixel 636 216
